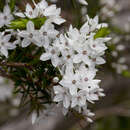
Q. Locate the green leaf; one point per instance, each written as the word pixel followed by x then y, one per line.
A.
pixel 12 5
pixel 103 32
pixel 21 23
pixel 126 73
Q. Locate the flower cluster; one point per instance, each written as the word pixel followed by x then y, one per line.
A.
pixel 75 53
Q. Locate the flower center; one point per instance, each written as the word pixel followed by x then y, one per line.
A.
pixel 68 56
pixel 94 45
pixel 94 59
pixel 66 44
pixel 74 82
pixel 78 97
pixel 30 12
pixel 86 79
pixel 5 17
pixel 84 52
pixel 53 51
pixel 31 35
pixel 45 33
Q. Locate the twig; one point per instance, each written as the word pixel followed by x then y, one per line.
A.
pixel 16 65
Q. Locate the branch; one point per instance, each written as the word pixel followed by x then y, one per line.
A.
pixel 16 65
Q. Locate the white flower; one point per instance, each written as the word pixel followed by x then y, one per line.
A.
pixel 30 35
pixel 62 43
pixel 53 54
pixel 6 16
pixel 94 23
pixel 97 46
pixel 83 55
pixel 76 38
pixel 5 45
pixel 30 12
pixel 53 15
pixel 62 94
pixel 47 34
pixel 79 99
pixel 42 5
pixel 96 61
pixel 67 56
pixel 70 81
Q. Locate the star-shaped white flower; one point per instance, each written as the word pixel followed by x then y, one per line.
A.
pixel 53 15
pixel 6 16
pixel 52 54
pixel 5 45
pixel 30 12
pixel 47 34
pixel 62 95
pixel 71 81
pixel 30 35
pixel 79 99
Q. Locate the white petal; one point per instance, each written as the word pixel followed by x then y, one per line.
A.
pixel 100 61
pixel 28 8
pixel 82 101
pixel 45 56
pixel 74 102
pixel 43 4
pixel 34 117
pixel 58 89
pixel 64 111
pixel 10 46
pixel 58 98
pixel 20 14
pixel 25 42
pixel 89 120
pixel 55 61
pixel 83 2
pixel 66 102
pixel 58 20
pixel 73 90
pixel 4 51
pixel 85 28
pixel 30 27
pixel 86 60
pixel 7 38
pixel 6 10
pixel 50 10
pixel 77 58
pixel 23 34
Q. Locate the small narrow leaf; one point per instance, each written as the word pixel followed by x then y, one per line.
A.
pixel 103 32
